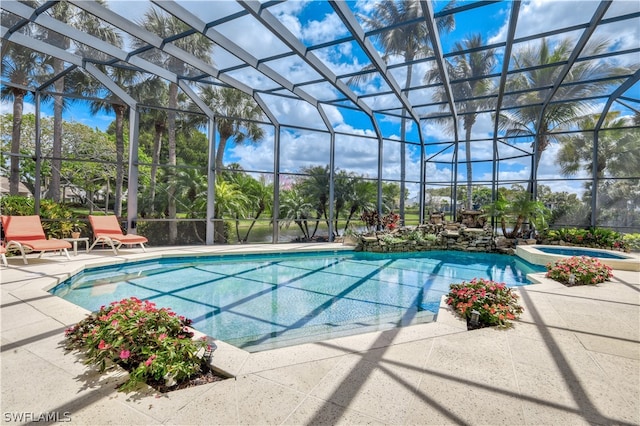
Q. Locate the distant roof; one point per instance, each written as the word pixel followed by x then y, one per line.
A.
pixel 22 189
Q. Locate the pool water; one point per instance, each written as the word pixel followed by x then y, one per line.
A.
pixel 580 252
pixel 259 302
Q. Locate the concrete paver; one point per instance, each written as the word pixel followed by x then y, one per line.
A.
pixel 572 358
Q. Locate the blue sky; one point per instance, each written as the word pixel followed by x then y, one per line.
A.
pixel 316 22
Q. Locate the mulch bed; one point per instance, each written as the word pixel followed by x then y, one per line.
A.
pixel 201 379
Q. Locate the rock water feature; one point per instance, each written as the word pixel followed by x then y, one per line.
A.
pixel 437 235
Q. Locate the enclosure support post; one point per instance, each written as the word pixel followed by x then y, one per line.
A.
pixel 211 184
pixel 276 184
pixel 132 188
pixel 38 154
pixel 594 179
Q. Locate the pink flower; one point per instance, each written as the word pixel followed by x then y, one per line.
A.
pixel 125 354
pixel 149 361
pixel 162 336
pixel 102 345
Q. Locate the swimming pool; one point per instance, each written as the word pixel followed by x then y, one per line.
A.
pixel 259 302
pixel 542 255
pixel 573 251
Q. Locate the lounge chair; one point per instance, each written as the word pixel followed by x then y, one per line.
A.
pixel 106 230
pixel 26 234
pixel 3 256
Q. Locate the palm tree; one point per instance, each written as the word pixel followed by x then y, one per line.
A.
pixel 315 186
pixel 618 149
pixel 294 207
pixel 20 66
pixel 124 78
pixel 411 41
pixel 193 191
pixel 196 44
pixel 390 196
pixel 230 202
pixel 618 156
pixel 342 190
pixel 259 196
pixel 467 85
pixel 154 91
pixel 517 209
pixel 361 198
pixel 236 113
pixel 85 22
pixel 541 65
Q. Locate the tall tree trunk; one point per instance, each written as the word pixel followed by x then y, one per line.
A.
pixel 220 153
pixel 171 189
pixel 155 160
pixel 253 222
pixel 403 147
pixel 467 146
pixel 18 106
pixel 56 161
pixel 543 142
pixel 117 206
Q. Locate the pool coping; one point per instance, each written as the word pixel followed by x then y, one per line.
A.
pixel 229 360
pixel 531 254
pixel 397 376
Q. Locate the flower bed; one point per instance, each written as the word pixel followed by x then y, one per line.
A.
pixel 493 303
pixel 154 345
pixel 579 270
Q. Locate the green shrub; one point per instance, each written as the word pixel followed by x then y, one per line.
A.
pixel 415 235
pixel 431 237
pixel 632 241
pixel 16 205
pixel 57 219
pixel 390 239
pixel 592 237
pixel 152 344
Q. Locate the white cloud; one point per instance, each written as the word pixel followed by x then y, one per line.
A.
pixel 537 16
pixel 328 28
pixel 6 107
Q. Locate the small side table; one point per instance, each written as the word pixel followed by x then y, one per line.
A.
pixel 74 241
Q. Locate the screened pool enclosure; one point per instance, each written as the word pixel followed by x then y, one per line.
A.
pixel 246 121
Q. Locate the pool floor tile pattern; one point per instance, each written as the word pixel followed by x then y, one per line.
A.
pixel 573 358
pixel 324 296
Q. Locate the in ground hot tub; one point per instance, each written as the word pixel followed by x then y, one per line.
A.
pixel 541 255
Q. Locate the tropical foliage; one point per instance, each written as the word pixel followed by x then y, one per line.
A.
pixel 466 72
pixel 89 166
pixel 618 159
pixel 529 120
pixel 590 237
pixel 57 219
pixel 632 241
pixel 513 211
pixel 165 25
pixel 408 41
pixel 21 67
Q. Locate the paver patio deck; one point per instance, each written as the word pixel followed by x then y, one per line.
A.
pixel 572 358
